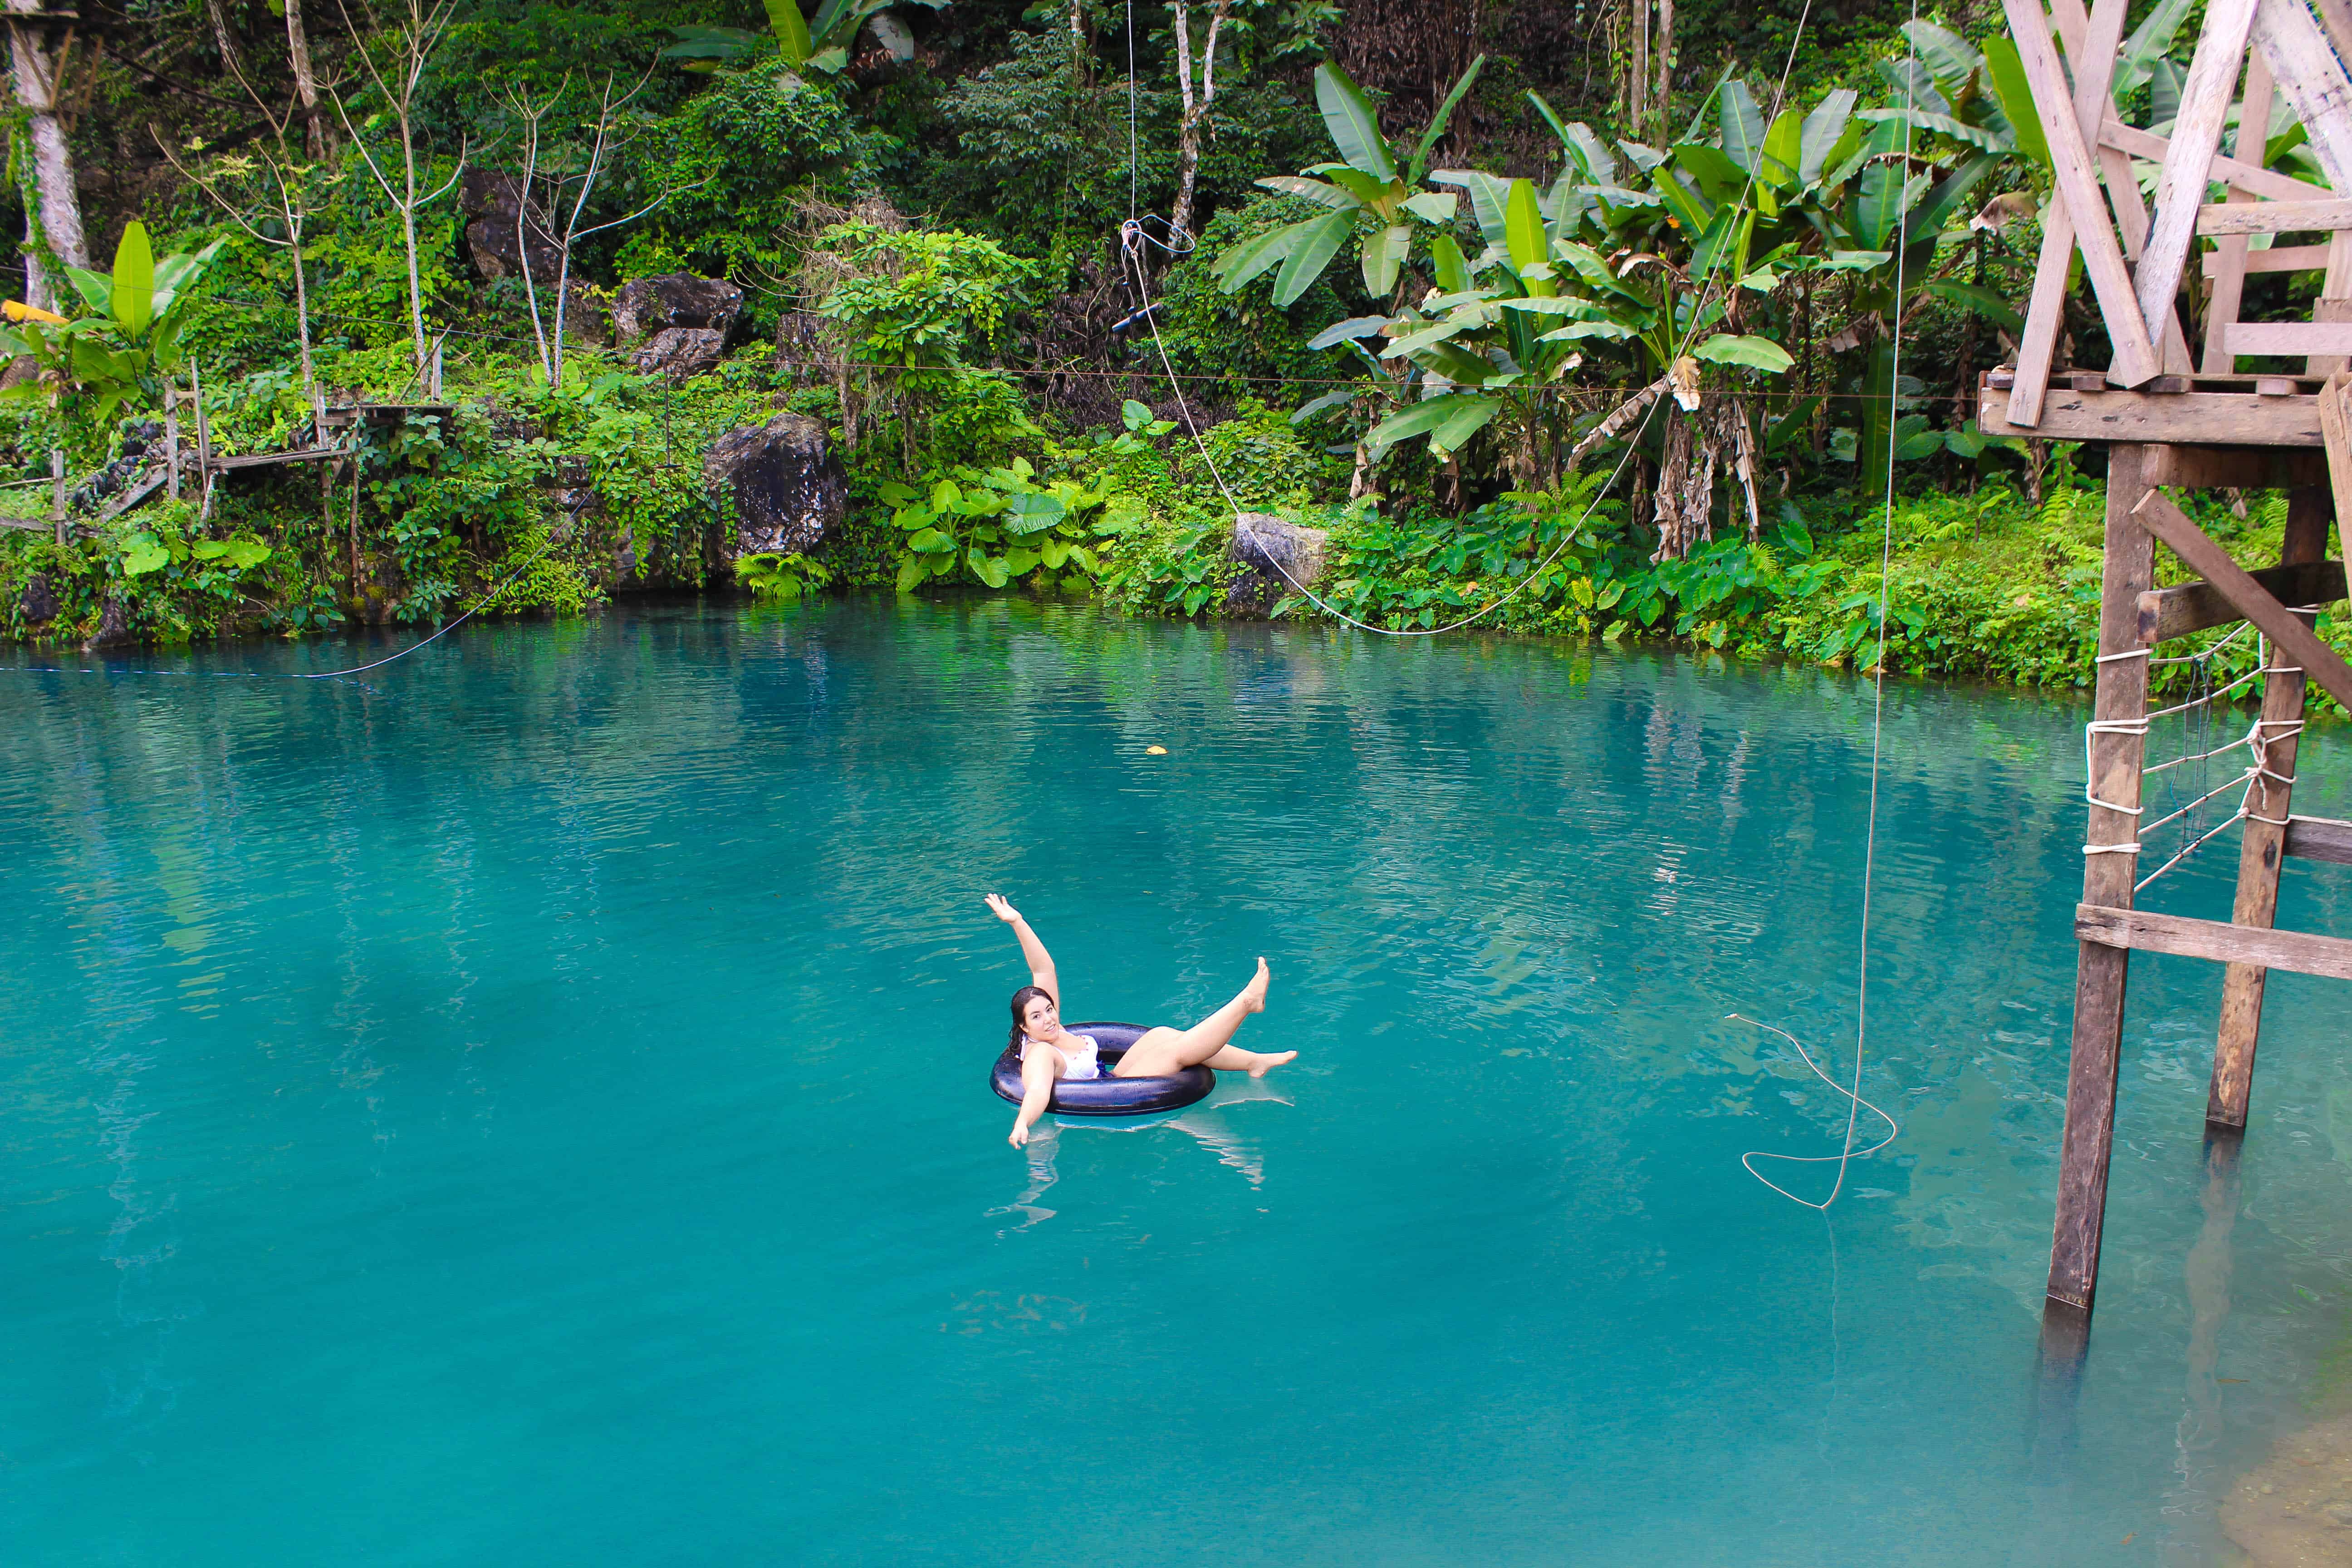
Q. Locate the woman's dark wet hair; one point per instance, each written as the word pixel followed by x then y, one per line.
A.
pixel 1021 1000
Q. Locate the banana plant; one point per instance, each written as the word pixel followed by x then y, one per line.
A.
pixel 821 43
pixel 1374 181
pixel 131 340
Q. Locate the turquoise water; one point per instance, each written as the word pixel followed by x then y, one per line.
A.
pixel 530 1106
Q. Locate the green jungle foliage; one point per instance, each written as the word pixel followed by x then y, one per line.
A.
pixel 1529 371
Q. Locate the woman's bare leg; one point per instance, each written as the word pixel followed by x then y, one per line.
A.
pixel 1163 1051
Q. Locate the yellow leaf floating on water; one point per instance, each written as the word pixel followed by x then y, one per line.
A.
pixel 1155 750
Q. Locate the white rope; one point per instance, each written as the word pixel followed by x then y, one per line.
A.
pixel 1846 1155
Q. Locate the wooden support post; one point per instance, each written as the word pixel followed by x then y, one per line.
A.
pixel 203 443
pixel 2118 750
pixel 57 492
pixel 2264 845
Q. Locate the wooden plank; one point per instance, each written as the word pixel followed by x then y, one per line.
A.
pixel 2118 701
pixel 2188 162
pixel 2141 932
pixel 2218 418
pixel 155 480
pixel 2249 177
pixel 2312 79
pixel 2135 354
pixel 2314 338
pixel 2317 660
pixel 2186 467
pixel 2273 217
pixel 2277 259
pixel 2168 613
pixel 270 460
pixel 2320 839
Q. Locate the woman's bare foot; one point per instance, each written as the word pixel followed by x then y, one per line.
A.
pixel 1254 994
pixel 1270 1059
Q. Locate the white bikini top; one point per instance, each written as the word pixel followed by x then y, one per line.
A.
pixel 1077 1055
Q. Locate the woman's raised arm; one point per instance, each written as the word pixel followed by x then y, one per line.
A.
pixel 1041 962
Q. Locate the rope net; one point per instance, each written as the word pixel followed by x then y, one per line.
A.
pixel 2192 782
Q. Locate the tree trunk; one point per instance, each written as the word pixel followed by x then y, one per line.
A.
pixel 408 238
pixel 306 81
pixel 1196 109
pixel 1662 100
pixel 1637 65
pixel 53 230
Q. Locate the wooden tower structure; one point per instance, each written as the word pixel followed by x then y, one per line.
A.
pixel 2177 419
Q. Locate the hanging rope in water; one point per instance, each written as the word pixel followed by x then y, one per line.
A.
pixel 1846 1153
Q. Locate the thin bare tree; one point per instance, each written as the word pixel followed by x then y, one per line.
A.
pixel 1196 105
pixel 285 201
pixel 606 143
pixel 408 45
pixel 533 115
pixel 53 231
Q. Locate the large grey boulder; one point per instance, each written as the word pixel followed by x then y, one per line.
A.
pixel 678 352
pixel 1267 548
pixel 787 485
pixel 646 306
pixel 38 603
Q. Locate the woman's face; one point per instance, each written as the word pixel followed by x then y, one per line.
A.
pixel 1039 1019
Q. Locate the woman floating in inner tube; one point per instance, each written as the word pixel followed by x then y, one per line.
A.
pixel 1048 1051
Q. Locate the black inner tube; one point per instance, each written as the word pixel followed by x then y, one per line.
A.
pixel 1107 1095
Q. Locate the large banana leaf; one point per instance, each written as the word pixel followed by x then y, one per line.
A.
pixel 1949 57
pixel 2015 97
pixel 1784 152
pixel 2148 43
pixel 792 30
pixel 1320 239
pixel 1742 123
pixel 1830 122
pixel 1383 256
pixel 1523 237
pixel 132 300
pixel 1487 196
pixel 1878 206
pixel 1322 190
pixel 1457 415
pixel 1257 254
pixel 1355 129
